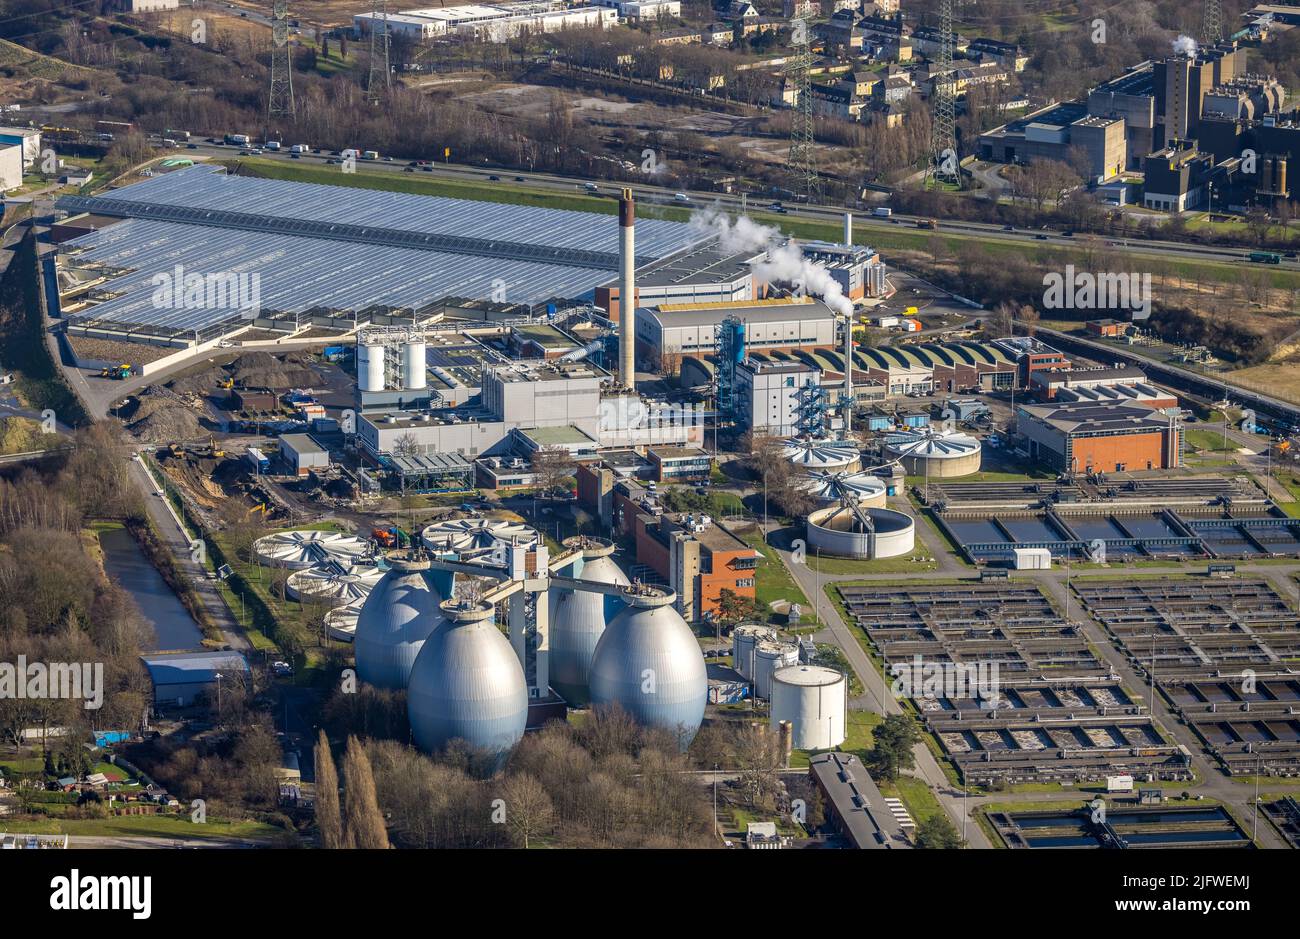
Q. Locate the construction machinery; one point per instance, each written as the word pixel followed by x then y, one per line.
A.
pixel 116 372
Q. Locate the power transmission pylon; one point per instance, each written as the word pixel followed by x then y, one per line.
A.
pixel 380 78
pixel 943 118
pixel 281 97
pixel 803 161
pixel 1212 24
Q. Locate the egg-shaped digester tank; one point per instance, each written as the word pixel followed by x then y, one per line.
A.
pixel 397 616
pixel 467 684
pixel 649 663
pixel 578 617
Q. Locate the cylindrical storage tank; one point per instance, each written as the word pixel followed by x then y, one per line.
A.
pixel 341 622
pixel 939 454
pixel 467 684
pixel 649 663
pixel 814 700
pixel 578 618
pixel 744 638
pixel 413 365
pixel 863 488
pixel 396 619
pixel 370 367
pixel 768 658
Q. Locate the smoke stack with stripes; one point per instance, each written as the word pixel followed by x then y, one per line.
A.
pixel 627 290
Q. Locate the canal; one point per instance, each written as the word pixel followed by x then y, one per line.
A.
pixel 172 624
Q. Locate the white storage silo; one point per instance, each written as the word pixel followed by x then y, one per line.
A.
pixel 769 657
pixel 370 367
pixel 743 640
pixel 815 701
pixel 413 365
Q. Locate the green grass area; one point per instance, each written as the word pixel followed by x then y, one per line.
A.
pixel 16 765
pixel 1208 441
pixel 772 581
pixel 917 796
pixel 425 184
pixel 148 826
pixel 903 564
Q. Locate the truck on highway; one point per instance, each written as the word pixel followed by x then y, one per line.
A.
pixel 881 211
pixel 1265 257
pixel 300 148
pixel 272 145
pixel 237 140
pixel 927 223
pixel 370 155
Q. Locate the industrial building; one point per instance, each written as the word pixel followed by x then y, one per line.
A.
pixel 694 555
pixel 1085 436
pixel 853 803
pixel 389 253
pixel 1122 384
pixel 495 22
pixel 668 331
pixel 183 679
pixel 303 454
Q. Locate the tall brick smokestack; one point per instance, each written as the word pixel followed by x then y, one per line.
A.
pixel 627 290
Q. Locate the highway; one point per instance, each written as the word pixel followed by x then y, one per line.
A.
pixel 663 195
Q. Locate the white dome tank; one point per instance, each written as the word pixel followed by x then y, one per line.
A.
pixel 863 488
pixel 475 538
pixel 333 583
pixel 809 456
pixel 814 700
pixel 650 664
pixel 304 548
pixel 341 622
pixel 578 618
pixel 744 639
pixel 768 657
pixel 394 622
pixel 467 684
pixel 942 454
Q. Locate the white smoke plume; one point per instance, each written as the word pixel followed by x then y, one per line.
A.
pixel 784 262
pixel 1185 45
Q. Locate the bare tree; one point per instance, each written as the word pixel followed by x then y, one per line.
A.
pixel 529 811
pixel 329 821
pixel 365 823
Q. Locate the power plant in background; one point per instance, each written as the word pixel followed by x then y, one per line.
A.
pixel 627 290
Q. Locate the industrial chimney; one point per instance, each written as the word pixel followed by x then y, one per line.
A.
pixel 626 290
pixel 848 229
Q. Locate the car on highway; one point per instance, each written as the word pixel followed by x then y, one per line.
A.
pixel 1041 237
pixel 494 179
pixel 427 169
pixel 681 197
pixel 519 179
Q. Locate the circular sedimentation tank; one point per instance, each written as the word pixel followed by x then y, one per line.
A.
pixel 475 537
pixel 649 663
pixel 341 622
pixel 467 684
pixel 838 531
pixel 864 488
pixel 395 620
pixel 811 456
pixel 940 454
pixel 333 583
pixel 578 617
pixel 301 549
pixel 814 700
